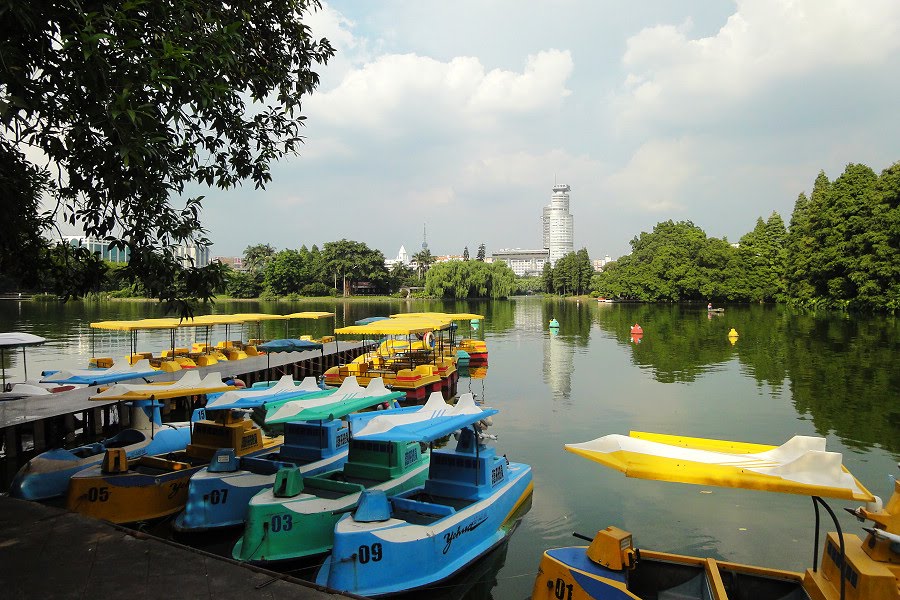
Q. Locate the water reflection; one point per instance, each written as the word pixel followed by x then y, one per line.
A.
pixel 788 373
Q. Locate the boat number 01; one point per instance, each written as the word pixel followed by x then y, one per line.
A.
pixel 281 523
pixel 562 591
pixel 98 494
pixel 367 553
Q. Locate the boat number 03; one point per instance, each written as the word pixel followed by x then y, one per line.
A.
pixel 98 494
pixel 367 553
pixel 281 523
pixel 218 496
pixel 563 591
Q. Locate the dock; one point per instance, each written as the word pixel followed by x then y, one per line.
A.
pixel 31 424
pixel 47 553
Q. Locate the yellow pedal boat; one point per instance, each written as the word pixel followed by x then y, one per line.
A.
pixel 612 568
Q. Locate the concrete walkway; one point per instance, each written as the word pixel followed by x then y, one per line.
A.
pixel 48 554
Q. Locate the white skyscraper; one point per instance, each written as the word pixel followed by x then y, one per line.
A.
pixel 559 225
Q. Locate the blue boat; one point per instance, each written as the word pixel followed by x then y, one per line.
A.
pixel 289 345
pixel 283 389
pixel 469 504
pixel 121 371
pixel 47 475
pixel 218 495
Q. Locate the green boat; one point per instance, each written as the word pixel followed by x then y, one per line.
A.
pixel 296 518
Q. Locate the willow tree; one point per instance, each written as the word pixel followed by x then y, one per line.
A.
pixel 125 104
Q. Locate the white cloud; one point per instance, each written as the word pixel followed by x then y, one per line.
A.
pixel 763 45
pixel 655 177
pixel 398 92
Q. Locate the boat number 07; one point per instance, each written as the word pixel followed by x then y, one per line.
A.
pixel 98 494
pixel 367 553
pixel 281 523
pixel 218 496
pixel 562 590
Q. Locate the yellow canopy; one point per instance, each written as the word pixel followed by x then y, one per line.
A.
pixel 799 466
pixel 190 384
pixel 309 315
pixel 440 315
pixel 166 323
pixel 246 317
pixel 201 321
pixel 389 327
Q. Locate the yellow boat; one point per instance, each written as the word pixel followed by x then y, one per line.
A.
pixel 476 350
pixel 123 490
pixel 611 567
pixel 411 361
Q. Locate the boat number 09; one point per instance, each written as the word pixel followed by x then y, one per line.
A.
pixel 281 523
pixel 367 553
pixel 562 590
pixel 98 494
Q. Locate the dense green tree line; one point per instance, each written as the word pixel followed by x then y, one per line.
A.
pixel 339 268
pixel 842 249
pixel 470 279
pixel 570 275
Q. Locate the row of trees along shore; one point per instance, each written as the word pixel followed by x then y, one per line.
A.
pixel 348 267
pixel 841 250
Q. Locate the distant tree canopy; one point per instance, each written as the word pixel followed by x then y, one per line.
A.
pixel 470 279
pixel 123 105
pixel 842 250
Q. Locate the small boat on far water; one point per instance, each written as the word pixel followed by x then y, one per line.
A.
pixel 612 568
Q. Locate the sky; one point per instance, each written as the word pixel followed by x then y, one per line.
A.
pixel 457 118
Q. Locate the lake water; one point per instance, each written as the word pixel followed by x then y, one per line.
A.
pixel 788 373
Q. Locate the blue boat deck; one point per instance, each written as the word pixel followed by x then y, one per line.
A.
pixel 47 553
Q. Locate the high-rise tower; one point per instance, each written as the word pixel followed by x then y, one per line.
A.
pixel 559 225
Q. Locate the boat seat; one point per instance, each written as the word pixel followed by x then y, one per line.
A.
pixel 418 506
pixel 126 437
pixel 693 589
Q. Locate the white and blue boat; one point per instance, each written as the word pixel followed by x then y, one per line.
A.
pixel 47 475
pixel 470 502
pixel 218 495
pixel 121 371
pixel 283 389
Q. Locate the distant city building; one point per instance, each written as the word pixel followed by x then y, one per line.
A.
pixel 235 262
pixel 447 258
pixel 558 224
pixel 402 258
pixel 523 262
pixel 599 263
pixel 106 252
pixel 192 255
pixel 197 256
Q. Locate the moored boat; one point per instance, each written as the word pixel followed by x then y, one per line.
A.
pixel 315 441
pixel 470 502
pixel 411 360
pixel 296 518
pixel 47 475
pixel 611 567
pixel 123 490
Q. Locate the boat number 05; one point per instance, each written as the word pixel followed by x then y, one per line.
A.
pixel 281 523
pixel 367 553
pixel 98 494
pixel 563 591
pixel 175 487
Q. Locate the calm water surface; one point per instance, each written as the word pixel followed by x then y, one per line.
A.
pixel 787 374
